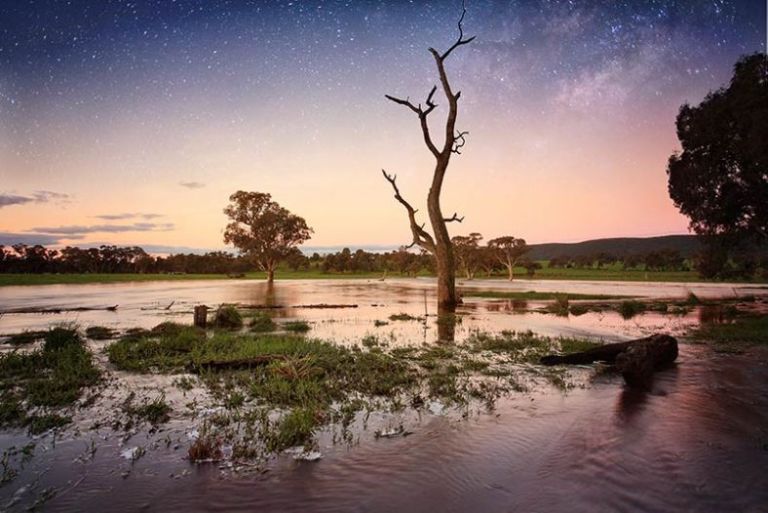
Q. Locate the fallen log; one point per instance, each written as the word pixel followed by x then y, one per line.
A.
pixel 637 360
pixel 325 306
pixel 58 310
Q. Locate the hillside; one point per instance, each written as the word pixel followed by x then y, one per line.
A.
pixel 687 245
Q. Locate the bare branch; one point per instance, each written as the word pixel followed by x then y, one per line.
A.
pixel 405 102
pixel 459 42
pixel 430 104
pixel 420 236
pixel 422 113
pixel 458 142
pixel 454 217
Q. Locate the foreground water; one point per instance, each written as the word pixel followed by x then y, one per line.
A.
pixel 697 442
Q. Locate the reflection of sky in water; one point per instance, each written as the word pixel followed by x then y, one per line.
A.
pixel 143 304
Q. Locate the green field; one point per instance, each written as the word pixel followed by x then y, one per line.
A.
pixel 55 279
pixel 608 273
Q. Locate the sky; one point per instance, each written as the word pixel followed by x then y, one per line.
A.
pixel 131 122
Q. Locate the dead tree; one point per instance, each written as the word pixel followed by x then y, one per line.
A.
pixel 439 244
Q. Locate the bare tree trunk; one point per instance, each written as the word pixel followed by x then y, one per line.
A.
pixel 440 245
pixel 271 276
pixel 511 269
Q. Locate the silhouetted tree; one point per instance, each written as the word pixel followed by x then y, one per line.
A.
pixel 263 230
pixel 440 245
pixel 720 179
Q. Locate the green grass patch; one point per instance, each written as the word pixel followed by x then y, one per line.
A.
pixel 26 337
pixel 629 309
pixel 155 411
pixel 100 333
pixel 261 323
pixel 279 389
pixel 38 424
pixel 227 317
pixel 167 347
pixel 297 326
pixel 80 279
pixel 741 333
pixel 51 377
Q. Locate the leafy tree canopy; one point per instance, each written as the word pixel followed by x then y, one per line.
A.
pixel 720 179
pixel 262 229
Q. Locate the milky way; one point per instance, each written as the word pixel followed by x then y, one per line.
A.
pixel 220 95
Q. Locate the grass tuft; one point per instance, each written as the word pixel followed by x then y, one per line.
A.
pixel 297 326
pixel 100 333
pixel 227 317
pixel 262 323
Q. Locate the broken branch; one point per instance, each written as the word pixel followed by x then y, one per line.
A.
pixel 420 236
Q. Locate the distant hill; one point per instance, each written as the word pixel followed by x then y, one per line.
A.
pixel 687 245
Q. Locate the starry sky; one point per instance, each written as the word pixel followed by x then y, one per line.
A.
pixel 131 122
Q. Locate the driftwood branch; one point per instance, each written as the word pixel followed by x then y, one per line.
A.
pixel 58 310
pixel 420 236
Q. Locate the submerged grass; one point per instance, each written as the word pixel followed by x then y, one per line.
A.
pixel 404 317
pixel 51 377
pixel 297 326
pixel 629 309
pixel 26 337
pixel 100 333
pixel 277 390
pixel 261 323
pixel 741 333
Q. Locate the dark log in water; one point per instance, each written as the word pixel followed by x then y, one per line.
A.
pixel 637 360
pixel 638 363
pixel 325 306
pixel 57 310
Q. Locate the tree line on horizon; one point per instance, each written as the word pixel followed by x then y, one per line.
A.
pixel 473 260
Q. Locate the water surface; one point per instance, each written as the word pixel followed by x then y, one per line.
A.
pixel 697 442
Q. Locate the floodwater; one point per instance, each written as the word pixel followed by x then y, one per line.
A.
pixel 697 442
pixel 145 304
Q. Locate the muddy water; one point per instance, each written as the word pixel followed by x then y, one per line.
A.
pixel 697 442
pixel 146 304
